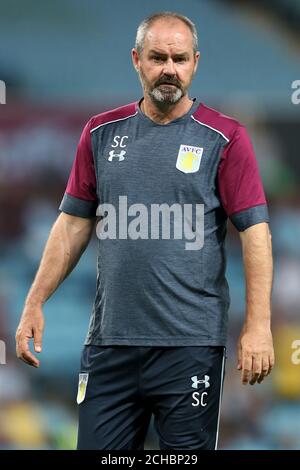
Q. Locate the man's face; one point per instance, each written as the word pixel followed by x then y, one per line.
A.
pixel 167 63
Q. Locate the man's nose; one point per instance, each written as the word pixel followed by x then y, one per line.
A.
pixel 169 68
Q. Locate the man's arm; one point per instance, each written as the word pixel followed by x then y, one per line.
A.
pixel 67 241
pixel 255 346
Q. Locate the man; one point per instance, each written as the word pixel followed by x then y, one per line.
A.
pixel 157 334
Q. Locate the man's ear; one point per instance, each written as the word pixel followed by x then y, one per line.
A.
pixel 197 58
pixel 135 58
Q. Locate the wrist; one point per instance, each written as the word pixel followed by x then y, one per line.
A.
pixel 33 302
pixel 257 324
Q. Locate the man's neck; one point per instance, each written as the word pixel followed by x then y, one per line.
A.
pixel 165 114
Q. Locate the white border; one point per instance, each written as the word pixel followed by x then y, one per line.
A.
pixel 220 398
pixel 206 125
pixel 116 120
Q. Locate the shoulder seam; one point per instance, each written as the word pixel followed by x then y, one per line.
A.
pixel 210 127
pixel 115 120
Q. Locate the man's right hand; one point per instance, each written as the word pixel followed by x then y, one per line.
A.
pixel 31 326
pixel 67 241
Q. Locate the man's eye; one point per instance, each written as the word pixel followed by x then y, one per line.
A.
pixel 157 58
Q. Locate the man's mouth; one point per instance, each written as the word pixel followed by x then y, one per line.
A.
pixel 168 84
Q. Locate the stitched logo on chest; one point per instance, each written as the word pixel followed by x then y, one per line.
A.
pixel 189 158
pixel 118 145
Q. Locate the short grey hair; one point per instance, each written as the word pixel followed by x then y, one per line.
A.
pixel 147 22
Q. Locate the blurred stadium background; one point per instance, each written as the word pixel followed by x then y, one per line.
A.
pixel 65 60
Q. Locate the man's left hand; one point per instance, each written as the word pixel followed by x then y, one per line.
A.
pixel 255 354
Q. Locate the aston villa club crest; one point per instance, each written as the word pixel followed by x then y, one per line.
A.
pixel 189 158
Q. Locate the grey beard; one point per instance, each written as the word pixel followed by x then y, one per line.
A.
pixel 165 98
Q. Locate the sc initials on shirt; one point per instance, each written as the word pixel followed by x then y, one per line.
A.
pixel 200 399
pixel 119 141
pixel 118 144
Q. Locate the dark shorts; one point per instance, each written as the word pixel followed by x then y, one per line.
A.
pixel 120 387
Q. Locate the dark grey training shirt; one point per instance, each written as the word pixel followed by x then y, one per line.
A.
pixel 155 287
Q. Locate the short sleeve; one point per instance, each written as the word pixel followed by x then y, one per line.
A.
pixel 240 185
pixel 80 198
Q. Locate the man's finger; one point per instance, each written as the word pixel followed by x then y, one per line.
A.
pixel 256 369
pixel 261 377
pixel 239 357
pixel 271 364
pixel 246 369
pixel 29 358
pixel 271 361
pixel 29 361
pixel 24 353
pixel 38 336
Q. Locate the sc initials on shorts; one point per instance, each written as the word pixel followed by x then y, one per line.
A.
pixel 200 398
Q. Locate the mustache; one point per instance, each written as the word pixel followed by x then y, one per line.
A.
pixel 168 80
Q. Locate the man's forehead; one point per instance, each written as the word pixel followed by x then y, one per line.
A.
pixel 166 33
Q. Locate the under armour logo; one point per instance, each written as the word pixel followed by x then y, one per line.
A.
pixel 119 155
pixel 204 381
